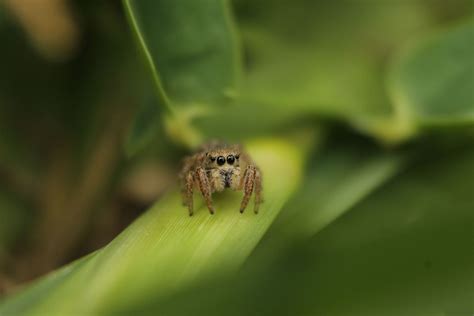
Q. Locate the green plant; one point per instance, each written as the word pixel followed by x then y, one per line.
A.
pixel 366 147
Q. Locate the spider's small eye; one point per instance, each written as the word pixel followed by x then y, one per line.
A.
pixel 220 160
pixel 212 159
pixel 237 156
pixel 230 159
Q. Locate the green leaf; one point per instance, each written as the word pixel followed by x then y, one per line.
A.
pixel 190 46
pixel 315 57
pixel 165 250
pixel 433 82
pixel 145 128
pixel 343 174
pixel 337 68
pixel 403 249
pixel 191 51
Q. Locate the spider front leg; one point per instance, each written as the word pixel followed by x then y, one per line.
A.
pixel 188 192
pixel 205 187
pixel 258 191
pixel 251 181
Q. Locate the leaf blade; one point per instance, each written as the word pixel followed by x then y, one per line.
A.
pixel 190 47
pixel 431 84
pixel 169 250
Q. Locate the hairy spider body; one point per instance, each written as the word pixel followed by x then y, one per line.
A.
pixel 216 167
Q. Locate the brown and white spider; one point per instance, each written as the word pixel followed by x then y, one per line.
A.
pixel 216 167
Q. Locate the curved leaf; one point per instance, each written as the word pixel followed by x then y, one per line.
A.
pixel 165 250
pixel 405 249
pixel 431 84
pixel 191 51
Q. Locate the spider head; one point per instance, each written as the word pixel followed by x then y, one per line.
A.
pixel 223 158
pixel 224 163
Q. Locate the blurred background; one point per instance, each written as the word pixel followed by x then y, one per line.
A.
pixel 78 165
pixel 70 86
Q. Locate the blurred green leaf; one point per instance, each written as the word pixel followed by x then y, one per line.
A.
pixel 433 83
pixel 345 172
pixel 404 250
pixel 146 126
pixel 337 67
pixel 166 250
pixel 430 86
pixel 312 60
pixel 322 59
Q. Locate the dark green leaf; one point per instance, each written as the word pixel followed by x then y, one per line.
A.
pixel 191 50
pixel 191 47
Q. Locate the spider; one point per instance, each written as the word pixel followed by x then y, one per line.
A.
pixel 216 167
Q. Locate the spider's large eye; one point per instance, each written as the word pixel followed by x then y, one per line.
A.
pixel 230 159
pixel 220 160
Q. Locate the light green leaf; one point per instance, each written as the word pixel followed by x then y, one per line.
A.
pixel 404 249
pixel 165 250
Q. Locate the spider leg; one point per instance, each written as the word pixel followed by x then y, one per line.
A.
pixel 248 185
pixel 188 192
pixel 205 187
pixel 258 191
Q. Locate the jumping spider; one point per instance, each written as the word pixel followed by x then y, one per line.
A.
pixel 216 167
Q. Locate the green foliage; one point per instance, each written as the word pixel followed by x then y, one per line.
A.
pixel 348 226
pixel 422 77
pixel 189 45
pixel 176 249
pixel 401 250
pixel 191 50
